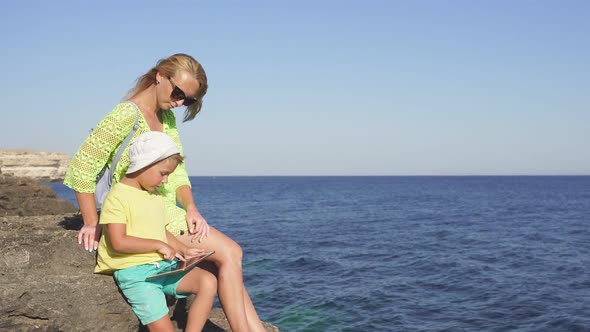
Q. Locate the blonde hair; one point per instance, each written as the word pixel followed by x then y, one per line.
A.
pixel 176 157
pixel 169 67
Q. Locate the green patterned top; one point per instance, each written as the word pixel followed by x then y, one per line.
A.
pixel 103 143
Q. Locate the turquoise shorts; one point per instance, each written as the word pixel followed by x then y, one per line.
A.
pixel 147 297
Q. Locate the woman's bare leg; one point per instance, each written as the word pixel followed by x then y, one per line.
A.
pixel 253 319
pixel 204 285
pixel 233 297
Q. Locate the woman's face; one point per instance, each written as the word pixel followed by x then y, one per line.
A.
pixel 173 89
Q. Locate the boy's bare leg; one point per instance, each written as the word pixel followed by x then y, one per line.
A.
pixel 203 284
pixel 163 324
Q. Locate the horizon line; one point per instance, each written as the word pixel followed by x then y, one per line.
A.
pixel 407 175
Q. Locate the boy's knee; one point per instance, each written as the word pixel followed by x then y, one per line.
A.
pixel 162 325
pixel 209 281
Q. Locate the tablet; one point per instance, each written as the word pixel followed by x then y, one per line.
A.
pixel 183 266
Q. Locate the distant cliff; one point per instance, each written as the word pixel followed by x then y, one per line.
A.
pixel 38 165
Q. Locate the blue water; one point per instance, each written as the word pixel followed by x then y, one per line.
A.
pixel 409 253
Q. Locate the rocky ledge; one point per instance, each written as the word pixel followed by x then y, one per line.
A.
pixel 46 279
pixel 25 197
pixel 38 165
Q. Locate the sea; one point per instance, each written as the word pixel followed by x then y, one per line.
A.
pixel 408 253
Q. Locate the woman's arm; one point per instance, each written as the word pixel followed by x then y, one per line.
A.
pixel 89 161
pixel 197 225
pixel 90 232
pixel 184 196
pixel 179 183
pixel 98 147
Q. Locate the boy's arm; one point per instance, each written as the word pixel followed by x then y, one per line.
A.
pixel 135 245
pixel 174 243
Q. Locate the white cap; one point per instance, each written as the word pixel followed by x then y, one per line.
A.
pixel 149 148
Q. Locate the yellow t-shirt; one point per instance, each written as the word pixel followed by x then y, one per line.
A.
pixel 144 215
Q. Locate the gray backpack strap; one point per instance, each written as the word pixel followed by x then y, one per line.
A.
pixel 123 146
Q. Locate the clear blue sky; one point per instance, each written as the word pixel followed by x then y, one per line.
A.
pixel 317 87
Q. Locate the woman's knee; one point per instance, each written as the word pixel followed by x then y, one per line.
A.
pixel 226 246
pixel 231 252
pixel 236 251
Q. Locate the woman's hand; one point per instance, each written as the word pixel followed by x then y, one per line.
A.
pixel 89 235
pixel 90 232
pixel 197 225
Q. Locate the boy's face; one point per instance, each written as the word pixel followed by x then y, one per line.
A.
pixel 157 174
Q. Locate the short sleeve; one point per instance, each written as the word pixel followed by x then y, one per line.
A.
pixel 113 211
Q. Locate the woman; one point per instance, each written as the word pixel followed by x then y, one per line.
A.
pixel 175 81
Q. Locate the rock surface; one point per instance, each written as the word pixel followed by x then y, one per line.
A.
pixel 26 197
pixel 46 279
pixel 38 165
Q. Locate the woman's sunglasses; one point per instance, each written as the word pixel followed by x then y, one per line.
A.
pixel 178 94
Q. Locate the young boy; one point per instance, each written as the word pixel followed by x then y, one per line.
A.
pixel 136 245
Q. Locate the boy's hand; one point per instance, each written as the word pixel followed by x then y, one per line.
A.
pixel 167 251
pixel 193 252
